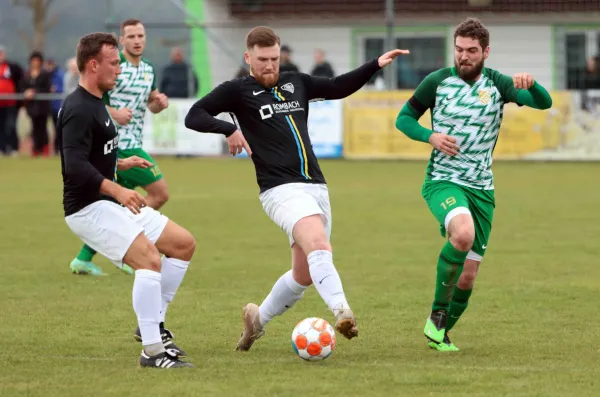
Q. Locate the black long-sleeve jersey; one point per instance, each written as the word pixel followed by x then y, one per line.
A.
pixel 274 121
pixel 88 142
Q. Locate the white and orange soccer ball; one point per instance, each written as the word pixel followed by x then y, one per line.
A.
pixel 313 339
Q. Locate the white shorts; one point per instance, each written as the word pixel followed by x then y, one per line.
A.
pixel 110 229
pixel 287 204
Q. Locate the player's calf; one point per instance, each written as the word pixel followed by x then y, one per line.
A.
pixel 143 256
pixel 309 234
pixel 177 246
pixel 466 281
pixel 286 291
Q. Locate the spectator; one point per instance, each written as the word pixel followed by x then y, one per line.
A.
pixel 244 69
pixel 176 77
pixel 37 81
pixel 242 72
pixel 592 75
pixel 322 67
pixel 286 64
pixel 71 78
pixel 56 78
pixel 11 76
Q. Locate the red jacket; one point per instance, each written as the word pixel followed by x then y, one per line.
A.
pixel 7 85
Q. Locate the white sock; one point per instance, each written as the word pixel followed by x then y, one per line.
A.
pixel 284 294
pixel 172 273
pixel 327 280
pixel 146 304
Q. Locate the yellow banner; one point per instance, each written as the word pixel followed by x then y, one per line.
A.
pixel 569 130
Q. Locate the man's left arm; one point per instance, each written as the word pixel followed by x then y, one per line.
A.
pixel 348 83
pixel 523 90
pixel 536 96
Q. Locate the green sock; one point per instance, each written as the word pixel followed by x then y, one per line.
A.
pixel 86 254
pixel 458 304
pixel 450 263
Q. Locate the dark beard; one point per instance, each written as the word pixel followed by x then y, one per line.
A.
pixel 471 74
pixel 268 82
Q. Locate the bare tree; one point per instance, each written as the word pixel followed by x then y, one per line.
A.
pixel 42 23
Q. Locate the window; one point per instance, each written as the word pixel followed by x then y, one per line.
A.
pixel 575 60
pixel 373 47
pixel 427 54
pixel 577 49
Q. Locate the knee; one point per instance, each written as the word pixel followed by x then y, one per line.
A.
pixel 188 247
pixel 159 196
pixel 154 262
pixel 185 247
pixel 162 197
pixel 318 243
pixel 322 245
pixel 310 235
pixel 462 239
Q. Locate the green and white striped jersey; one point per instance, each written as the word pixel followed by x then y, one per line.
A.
pixel 472 113
pixel 134 85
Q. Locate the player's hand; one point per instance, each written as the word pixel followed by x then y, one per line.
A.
pixel 389 56
pixel 131 200
pixel 444 143
pixel 162 100
pixel 237 142
pixel 523 80
pixel 123 116
pixel 133 161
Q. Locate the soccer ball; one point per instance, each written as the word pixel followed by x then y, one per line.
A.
pixel 313 339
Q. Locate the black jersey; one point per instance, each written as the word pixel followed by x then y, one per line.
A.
pixel 88 143
pixel 274 121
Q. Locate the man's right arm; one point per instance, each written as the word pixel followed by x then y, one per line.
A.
pixel 422 99
pixel 121 116
pixel 77 144
pixel 408 119
pixel 201 117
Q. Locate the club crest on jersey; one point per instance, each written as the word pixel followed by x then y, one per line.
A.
pixel 289 87
pixel 484 96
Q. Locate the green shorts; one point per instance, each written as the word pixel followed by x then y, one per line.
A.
pixel 135 177
pixel 444 198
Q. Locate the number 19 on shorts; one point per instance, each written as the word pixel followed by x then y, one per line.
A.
pixel 449 202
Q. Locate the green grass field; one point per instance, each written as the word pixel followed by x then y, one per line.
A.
pixel 532 328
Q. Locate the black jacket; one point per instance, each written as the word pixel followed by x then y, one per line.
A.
pixel 174 83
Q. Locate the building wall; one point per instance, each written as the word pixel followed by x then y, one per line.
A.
pixel 523 43
pixel 526 48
